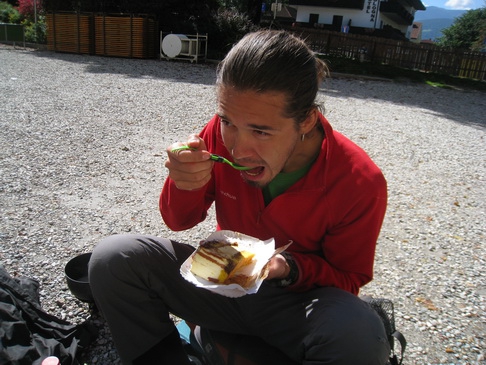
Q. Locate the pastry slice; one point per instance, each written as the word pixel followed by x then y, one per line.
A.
pixel 221 262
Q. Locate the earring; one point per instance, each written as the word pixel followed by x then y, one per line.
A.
pixel 302 137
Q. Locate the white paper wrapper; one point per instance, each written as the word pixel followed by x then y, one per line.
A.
pixel 263 250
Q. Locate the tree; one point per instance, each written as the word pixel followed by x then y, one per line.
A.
pixel 182 16
pixel 467 31
pixel 8 14
pixel 480 44
pixel 252 8
pixel 30 8
pixel 227 27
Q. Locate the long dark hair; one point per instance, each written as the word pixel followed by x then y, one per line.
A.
pixel 275 61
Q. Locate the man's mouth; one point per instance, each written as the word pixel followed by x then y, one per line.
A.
pixel 255 171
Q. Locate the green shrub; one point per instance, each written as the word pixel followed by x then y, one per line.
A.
pixel 226 28
pixel 35 33
pixel 8 14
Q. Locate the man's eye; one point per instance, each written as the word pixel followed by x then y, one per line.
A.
pixel 261 133
pixel 224 121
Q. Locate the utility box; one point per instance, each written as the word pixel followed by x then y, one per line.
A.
pixel 193 48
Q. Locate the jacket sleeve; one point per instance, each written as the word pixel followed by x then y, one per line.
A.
pixel 183 209
pixel 348 248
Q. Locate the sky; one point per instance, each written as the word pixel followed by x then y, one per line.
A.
pixel 455 4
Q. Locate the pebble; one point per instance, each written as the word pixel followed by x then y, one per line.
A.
pixel 82 158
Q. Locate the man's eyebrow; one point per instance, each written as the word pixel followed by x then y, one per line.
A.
pixel 261 127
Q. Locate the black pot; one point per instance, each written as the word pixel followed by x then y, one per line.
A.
pixel 76 271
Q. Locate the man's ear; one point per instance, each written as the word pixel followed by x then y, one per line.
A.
pixel 310 122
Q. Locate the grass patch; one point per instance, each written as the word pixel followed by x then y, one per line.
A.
pixel 439 84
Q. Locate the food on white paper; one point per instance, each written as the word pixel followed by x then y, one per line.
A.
pixel 223 262
pixel 247 278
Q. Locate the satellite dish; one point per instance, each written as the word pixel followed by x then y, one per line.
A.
pixel 172 44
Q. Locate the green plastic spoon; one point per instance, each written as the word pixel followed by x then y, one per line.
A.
pixel 215 158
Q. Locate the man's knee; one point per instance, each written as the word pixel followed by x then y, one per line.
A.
pixel 350 332
pixel 109 259
pixel 127 258
pixel 365 339
pixel 109 249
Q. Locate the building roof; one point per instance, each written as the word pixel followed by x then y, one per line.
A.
pixel 287 14
pixel 416 4
pixel 350 4
pixel 416 30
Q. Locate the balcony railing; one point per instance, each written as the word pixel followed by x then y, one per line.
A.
pixel 396 12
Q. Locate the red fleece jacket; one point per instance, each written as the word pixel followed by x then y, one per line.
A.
pixel 333 214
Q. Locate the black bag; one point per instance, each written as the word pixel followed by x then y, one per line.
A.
pixel 28 334
pixel 385 309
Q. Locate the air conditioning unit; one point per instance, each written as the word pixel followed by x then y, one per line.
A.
pixel 183 47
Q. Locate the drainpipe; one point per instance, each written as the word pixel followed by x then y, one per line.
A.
pixel 377 12
pixel 35 19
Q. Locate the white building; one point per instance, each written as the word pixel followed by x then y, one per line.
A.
pixel 359 16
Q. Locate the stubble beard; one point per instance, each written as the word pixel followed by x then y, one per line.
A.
pixel 262 185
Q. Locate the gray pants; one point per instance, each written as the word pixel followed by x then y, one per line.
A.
pixel 136 283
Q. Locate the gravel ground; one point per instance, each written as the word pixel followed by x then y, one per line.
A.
pixel 81 146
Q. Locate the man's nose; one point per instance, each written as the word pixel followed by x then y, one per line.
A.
pixel 241 147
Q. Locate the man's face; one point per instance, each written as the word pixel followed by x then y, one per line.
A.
pixel 257 134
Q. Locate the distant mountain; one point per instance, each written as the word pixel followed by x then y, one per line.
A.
pixel 434 19
pixel 432 28
pixel 434 12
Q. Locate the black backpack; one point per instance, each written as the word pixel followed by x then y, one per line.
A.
pixel 384 308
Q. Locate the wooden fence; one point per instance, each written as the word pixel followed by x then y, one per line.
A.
pixel 125 36
pixel 12 33
pixel 70 33
pixel 107 35
pixel 423 57
pixel 137 36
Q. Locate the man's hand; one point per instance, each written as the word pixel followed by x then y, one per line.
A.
pixel 189 169
pixel 278 268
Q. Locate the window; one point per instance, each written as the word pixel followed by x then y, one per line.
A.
pixel 337 22
pixel 313 18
